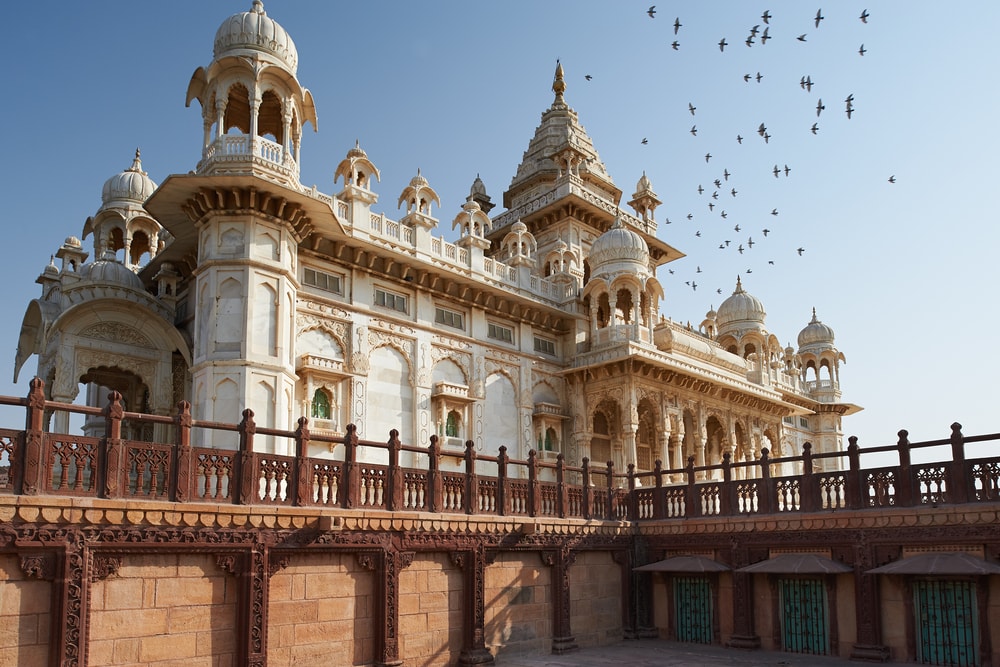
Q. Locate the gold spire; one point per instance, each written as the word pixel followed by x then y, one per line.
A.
pixel 559 84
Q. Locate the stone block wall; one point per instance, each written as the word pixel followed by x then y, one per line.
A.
pixel 430 611
pixel 321 612
pixel 596 599
pixel 164 610
pixel 518 604
pixel 25 611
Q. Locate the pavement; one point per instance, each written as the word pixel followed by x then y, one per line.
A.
pixel 663 653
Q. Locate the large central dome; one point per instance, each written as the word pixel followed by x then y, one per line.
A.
pixel 740 307
pixel 619 248
pixel 255 31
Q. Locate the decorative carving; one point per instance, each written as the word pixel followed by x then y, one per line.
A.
pixel 39 566
pixel 229 563
pixel 117 332
pixel 103 566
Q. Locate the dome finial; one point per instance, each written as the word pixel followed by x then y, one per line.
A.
pixel 559 83
pixel 137 163
pixel 814 315
pixel 739 286
pixel 257 7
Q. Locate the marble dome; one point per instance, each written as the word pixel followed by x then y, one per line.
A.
pixel 109 271
pixel 255 31
pixel 815 333
pixel 741 306
pixel 130 185
pixel 616 245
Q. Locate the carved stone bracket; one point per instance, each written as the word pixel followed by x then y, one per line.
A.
pixel 103 566
pixel 39 565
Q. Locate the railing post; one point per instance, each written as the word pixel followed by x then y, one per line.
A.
pixel 562 499
pixel 958 483
pixel 501 499
pixel 659 501
pixel 632 504
pixel 765 489
pixel 394 497
pixel 857 489
pixel 534 499
pixel 586 497
pixel 692 507
pixel 33 460
pixel 248 477
pixel 609 501
pixel 905 488
pixel 303 474
pixel 182 422
pixel 807 493
pixel 726 502
pixel 351 480
pixel 113 449
pixel 435 488
pixel 471 479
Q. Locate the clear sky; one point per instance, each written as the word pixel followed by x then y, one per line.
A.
pixel 901 271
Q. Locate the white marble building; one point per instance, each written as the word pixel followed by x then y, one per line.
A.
pixel 236 286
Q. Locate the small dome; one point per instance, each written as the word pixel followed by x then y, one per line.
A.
pixel 711 314
pixel 519 227
pixel 72 242
pixel 255 31
pixel 643 184
pixel 741 306
pixel 130 185
pixel 478 187
pixel 418 181
pixel 619 244
pixel 109 271
pixel 815 333
pixel 357 151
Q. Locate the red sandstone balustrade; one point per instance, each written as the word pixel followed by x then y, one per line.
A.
pixel 115 466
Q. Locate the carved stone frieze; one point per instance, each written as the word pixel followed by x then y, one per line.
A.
pixel 116 332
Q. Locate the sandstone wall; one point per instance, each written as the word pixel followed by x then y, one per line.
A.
pixel 596 599
pixel 518 604
pixel 25 606
pixel 430 611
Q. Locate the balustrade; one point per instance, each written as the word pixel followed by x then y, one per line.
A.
pixel 36 462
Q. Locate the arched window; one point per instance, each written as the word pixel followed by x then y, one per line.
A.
pixel 321 405
pixel 550 440
pixel 452 425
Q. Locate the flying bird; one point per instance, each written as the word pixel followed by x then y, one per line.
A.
pixel 723 44
pixel 761 130
pixel 715 195
pixel 807 84
pixel 750 242
pixel 737 228
pixel 739 139
pixel 740 248
pixel 690 216
pixel 801 250
pixel 691 108
pixel 771 262
pixel 774 211
pixel 754 30
pixel 723 214
pixel 801 37
pixel 864 16
pixel 749 270
pixel 719 290
pixel 766 231
pixel 819 16
pixel 767 138
pixel 722 246
pixel 849 111
pixel 764 36
pixel 700 189
pixel 749 41
pixel 699 270
pixel 850 98
pixel 892 179
pixel 644 141
pixel 819 107
pixel 675 45
pixel 815 128
pixel 759 77
pixel 677 24
pixel 694 130
pixel 766 16
pixel 698 233
pixel 862 50
pixel 776 171
pixel 727 244
pixel 725 174
pixel 651 11
pixel 734 192
pixel 694 286
pixel 718 183
pixel 708 156
pixel 747 77
pixel 787 169
pixel 711 206
pixel 588 77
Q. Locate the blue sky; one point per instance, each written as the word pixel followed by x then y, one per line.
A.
pixel 902 271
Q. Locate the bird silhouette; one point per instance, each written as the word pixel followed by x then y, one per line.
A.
pixel 749 41
pixel 737 228
pixel 689 216
pixel 806 83
pixel 759 77
pixel 764 36
pixel 766 231
pixel 766 16
pixel 815 128
pixel 698 233
pixel 677 24
pixel 747 77
pixel 588 77
pixel 719 290
pixel 754 30
pixel 699 270
pixel 819 16
pixel 849 111
pixel 801 37
pixel 715 195
pixel 718 183
pixel 694 130
pixel 671 271
pixel 862 50
pixel 767 138
pixel 691 108
pixel 711 206
pixel 776 171
pixel 644 141
pixel 722 246
pixel 734 192
pixel 725 174
pixel 675 45
pixel 774 211
pixel 761 130
pixel 850 99
pixel 700 189
pixel 864 16
pixel 750 242
pixel 651 11
pixel 740 248
pixel 727 244
pixel 771 262
pixel 801 250
pixel 787 169
pixel 723 44
pixel 739 139
pixel 892 179
pixel 819 107
pixel 708 156
pixel 723 214
pixel 694 286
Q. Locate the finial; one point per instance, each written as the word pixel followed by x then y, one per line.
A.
pixel 739 285
pixel 559 84
pixel 814 315
pixel 258 7
pixel 137 163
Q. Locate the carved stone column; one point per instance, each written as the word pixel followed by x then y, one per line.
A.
pixel 393 561
pixel 869 644
pixel 743 635
pixel 560 562
pixel 473 565
pixel 251 570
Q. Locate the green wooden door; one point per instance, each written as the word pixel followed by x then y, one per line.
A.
pixel 804 616
pixel 947 622
pixel 693 609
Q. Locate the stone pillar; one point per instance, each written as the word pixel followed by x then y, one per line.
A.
pixel 743 635
pixel 473 565
pixel 560 562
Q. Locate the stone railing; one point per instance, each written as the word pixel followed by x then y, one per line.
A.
pixel 44 463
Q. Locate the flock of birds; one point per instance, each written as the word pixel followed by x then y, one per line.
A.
pixel 723 189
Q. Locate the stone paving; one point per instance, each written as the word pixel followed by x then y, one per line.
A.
pixel 662 653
